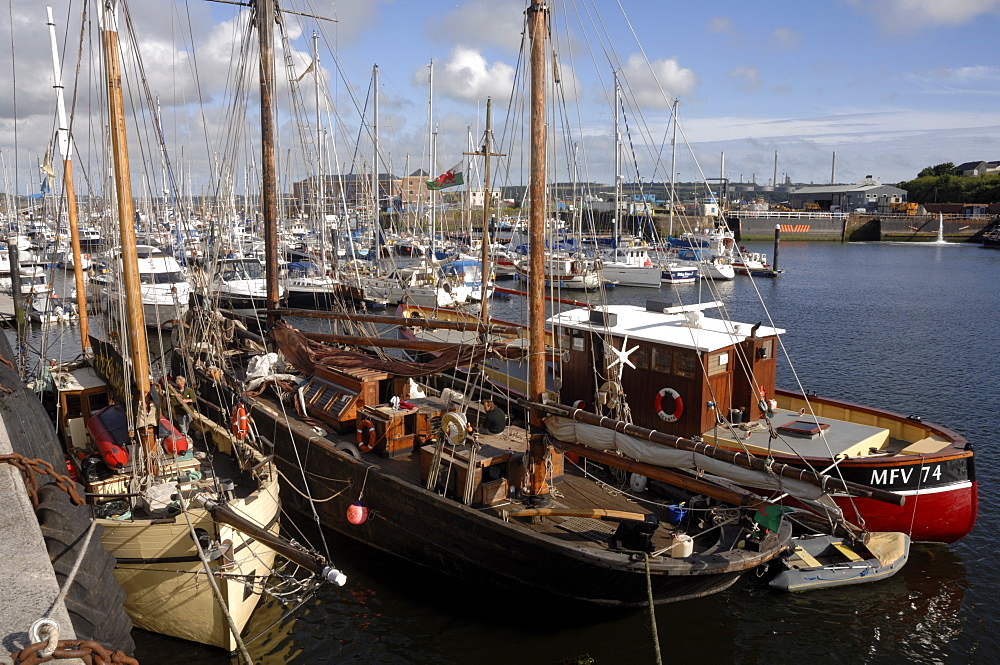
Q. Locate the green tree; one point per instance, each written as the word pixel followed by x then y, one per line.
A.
pixel 947 168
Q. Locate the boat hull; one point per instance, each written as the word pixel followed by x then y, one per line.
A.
pixel 165 584
pixel 447 536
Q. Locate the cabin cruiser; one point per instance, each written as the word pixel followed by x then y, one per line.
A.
pixel 240 282
pixel 164 287
pixel 630 266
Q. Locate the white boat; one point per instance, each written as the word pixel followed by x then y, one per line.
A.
pixel 821 561
pixel 239 282
pixel 51 310
pixel 630 266
pixel 165 289
pixel 566 272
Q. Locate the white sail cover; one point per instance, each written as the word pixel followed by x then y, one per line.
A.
pixel 601 438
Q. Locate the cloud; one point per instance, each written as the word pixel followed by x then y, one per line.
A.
pixel 748 78
pixel 484 22
pixel 466 76
pixel 721 25
pixel 897 16
pixel 656 88
pixel 785 38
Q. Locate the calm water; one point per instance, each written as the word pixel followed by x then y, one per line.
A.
pixel 909 328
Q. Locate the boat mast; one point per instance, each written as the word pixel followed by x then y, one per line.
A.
pixel 484 276
pixel 618 169
pixel 537 449
pixel 66 150
pixel 432 137
pixel 268 198
pixel 378 217
pixel 320 189
pixel 108 21
pixel 673 166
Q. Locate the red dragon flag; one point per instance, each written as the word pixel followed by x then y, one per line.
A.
pixel 450 178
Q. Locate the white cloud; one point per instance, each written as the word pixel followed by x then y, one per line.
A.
pixel 900 15
pixel 486 22
pixel 785 38
pixel 655 84
pixel 721 25
pixel 748 78
pixel 466 76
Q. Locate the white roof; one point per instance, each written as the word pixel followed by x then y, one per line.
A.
pixel 671 327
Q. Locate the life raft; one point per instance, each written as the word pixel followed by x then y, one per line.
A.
pixel 239 422
pixel 103 426
pixel 174 442
pixel 366 442
pixel 678 410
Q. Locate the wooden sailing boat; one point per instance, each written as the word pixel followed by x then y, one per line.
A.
pixel 504 509
pixel 192 531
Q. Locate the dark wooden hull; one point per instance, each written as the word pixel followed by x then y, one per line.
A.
pixel 425 528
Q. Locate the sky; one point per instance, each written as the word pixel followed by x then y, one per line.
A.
pixel 890 86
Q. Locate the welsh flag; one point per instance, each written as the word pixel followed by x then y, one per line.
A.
pixel 450 178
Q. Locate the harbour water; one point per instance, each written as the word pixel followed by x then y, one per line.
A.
pixel 907 327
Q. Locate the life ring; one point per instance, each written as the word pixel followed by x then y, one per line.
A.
pixel 366 443
pixel 678 405
pixel 239 422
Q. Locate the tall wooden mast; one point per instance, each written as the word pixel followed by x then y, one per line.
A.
pixel 538 450
pixel 269 178
pixel 66 151
pixel 131 289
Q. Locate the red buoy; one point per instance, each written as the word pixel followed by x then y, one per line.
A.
pixel 357 513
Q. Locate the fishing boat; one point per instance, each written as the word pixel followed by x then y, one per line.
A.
pixel 691 375
pixel 191 522
pixel 393 465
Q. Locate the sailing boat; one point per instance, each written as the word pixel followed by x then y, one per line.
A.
pixel 192 531
pixel 505 509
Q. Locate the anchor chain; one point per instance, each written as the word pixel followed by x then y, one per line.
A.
pixel 30 467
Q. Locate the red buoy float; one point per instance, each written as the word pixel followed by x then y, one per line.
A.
pixel 678 409
pixel 240 421
pixel 357 513
pixel 366 436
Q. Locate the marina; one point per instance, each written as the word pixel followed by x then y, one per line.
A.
pixel 390 608
pixel 300 419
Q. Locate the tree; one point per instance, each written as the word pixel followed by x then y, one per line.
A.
pixel 947 168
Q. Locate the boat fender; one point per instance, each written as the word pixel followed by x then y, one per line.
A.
pixel 612 392
pixel 240 421
pixel 637 483
pixel 357 513
pixel 678 405
pixel 366 442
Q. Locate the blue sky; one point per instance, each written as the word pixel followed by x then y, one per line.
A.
pixel 891 86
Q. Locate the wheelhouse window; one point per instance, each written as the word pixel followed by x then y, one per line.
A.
pixel 765 350
pixel 641 357
pixel 686 364
pixel 662 360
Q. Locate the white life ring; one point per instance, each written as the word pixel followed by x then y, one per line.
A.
pixel 678 405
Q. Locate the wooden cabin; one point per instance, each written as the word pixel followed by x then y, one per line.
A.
pixel 685 368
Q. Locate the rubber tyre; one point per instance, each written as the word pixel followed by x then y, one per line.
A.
pixel 95 601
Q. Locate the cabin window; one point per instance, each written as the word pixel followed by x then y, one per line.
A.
pixel 97 401
pixel 565 339
pixel 685 364
pixel 578 340
pixel 661 360
pixel 717 363
pixel 74 406
pixel 765 350
pixel 640 357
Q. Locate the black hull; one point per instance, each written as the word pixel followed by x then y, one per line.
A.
pixel 427 529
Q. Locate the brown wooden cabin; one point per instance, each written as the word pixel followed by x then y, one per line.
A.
pixel 80 392
pixel 708 362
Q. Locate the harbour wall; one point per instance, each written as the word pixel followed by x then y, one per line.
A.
pixel 857 227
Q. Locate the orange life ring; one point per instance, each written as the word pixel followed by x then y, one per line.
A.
pixel 366 446
pixel 240 422
pixel 678 405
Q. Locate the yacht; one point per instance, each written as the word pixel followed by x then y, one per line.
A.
pixel 165 289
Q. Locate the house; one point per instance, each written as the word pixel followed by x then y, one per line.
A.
pixel 977 168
